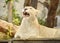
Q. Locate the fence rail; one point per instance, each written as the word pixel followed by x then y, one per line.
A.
pixel 31 41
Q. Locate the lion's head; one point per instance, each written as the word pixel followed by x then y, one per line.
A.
pixel 29 11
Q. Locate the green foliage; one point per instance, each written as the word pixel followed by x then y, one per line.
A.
pixel 6 1
pixel 41 22
pixel 16 21
pixel 6 35
pixel 16 17
pixel 2 36
pixel 16 0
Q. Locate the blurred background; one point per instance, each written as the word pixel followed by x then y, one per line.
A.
pixel 11 11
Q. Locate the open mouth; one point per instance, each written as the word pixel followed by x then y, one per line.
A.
pixel 26 14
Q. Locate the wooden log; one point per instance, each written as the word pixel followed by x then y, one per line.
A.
pixel 5 26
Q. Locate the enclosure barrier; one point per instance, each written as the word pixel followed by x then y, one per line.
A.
pixel 42 40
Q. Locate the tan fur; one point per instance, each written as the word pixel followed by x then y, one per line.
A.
pixel 30 27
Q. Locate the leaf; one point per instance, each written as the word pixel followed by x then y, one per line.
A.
pixel 16 0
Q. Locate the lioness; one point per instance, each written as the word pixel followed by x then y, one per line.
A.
pixel 30 28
